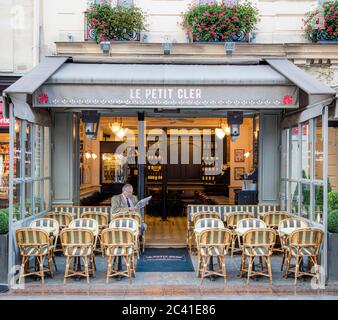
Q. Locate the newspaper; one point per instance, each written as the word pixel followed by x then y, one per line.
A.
pixel 142 203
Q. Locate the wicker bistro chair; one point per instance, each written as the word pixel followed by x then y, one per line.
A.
pixel 78 243
pixel 232 220
pixel 272 220
pixel 132 225
pixel 133 215
pixel 102 221
pixel 119 242
pixel 52 228
pixel 191 226
pixel 285 228
pixel 257 243
pixel 89 224
pixel 213 242
pixel 34 242
pixel 204 224
pixel 304 243
pixel 243 226
pixel 63 219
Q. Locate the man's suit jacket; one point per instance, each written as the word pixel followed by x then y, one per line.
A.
pixel 118 203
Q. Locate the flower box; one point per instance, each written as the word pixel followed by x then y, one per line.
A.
pixel 105 22
pixel 217 22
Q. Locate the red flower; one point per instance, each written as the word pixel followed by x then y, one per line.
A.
pixel 287 100
pixel 43 98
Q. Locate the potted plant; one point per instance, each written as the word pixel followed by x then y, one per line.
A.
pixel 332 255
pixel 321 24
pixel 219 22
pixel 114 23
pixel 3 249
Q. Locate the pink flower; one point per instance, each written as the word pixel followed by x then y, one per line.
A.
pixel 287 100
pixel 43 98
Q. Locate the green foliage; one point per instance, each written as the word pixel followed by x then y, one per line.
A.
pixel 323 21
pixel 214 22
pixel 110 23
pixel 333 221
pixel 3 222
pixel 333 200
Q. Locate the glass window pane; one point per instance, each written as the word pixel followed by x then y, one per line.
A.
pixel 319 193
pixel 294 153
pixel 38 151
pixel 37 196
pixel 17 149
pixel 47 195
pixel 285 154
pixel 305 210
pixel 17 191
pixel 306 151
pixel 28 151
pixel 318 149
pixel 284 195
pixel 46 150
pixel 294 197
pixel 28 199
pixel 4 170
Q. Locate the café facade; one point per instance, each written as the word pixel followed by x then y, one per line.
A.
pixel 290 111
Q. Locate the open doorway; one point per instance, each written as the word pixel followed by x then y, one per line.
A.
pixel 187 175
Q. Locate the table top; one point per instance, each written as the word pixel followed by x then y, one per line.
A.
pixel 287 231
pixel 54 231
pixel 241 231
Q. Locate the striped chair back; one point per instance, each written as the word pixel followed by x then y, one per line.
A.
pixel 117 237
pixel 307 241
pixel 101 218
pixel 263 237
pixel 215 236
pixel 87 223
pixel 225 210
pixel 64 219
pixel 234 218
pixel 293 223
pixel 76 211
pixel 204 215
pixel 71 237
pixel 251 223
pixel 125 223
pixel 45 223
pixel 209 223
pixel 272 219
pixel 31 238
pixel 128 215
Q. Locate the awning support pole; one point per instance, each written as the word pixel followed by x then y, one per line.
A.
pixel 141 158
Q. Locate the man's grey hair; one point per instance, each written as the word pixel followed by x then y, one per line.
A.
pixel 127 185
